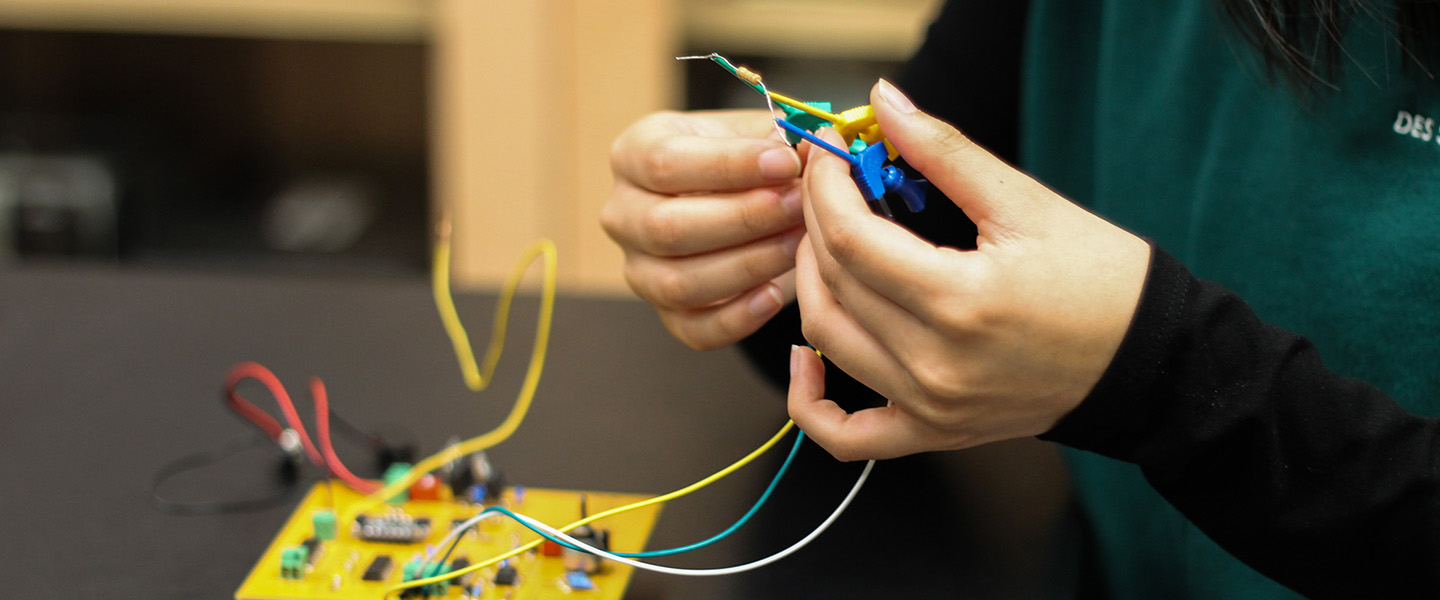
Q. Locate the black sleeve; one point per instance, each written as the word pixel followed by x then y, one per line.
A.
pixel 966 72
pixel 1320 482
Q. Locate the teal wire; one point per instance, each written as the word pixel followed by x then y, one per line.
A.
pixel 785 466
pixel 795 449
pixel 725 64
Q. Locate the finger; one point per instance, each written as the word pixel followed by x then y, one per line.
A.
pixel 891 324
pixel 996 196
pixel 728 322
pixel 704 279
pixel 877 252
pixel 665 153
pixel 681 226
pixel 875 433
pixel 829 327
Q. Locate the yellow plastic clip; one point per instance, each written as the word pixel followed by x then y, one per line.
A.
pixel 858 122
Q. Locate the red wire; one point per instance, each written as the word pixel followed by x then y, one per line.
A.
pixel 322 428
pixel 323 457
pixel 244 408
pixel 250 370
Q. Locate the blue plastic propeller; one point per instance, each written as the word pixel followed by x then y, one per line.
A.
pixel 871 174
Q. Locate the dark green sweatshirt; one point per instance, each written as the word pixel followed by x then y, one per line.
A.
pixel 1218 428
pixel 1220 457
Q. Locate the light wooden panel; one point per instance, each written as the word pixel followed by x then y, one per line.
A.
pixel 490 63
pixel 862 29
pixel 376 20
pixel 527 96
pixel 621 75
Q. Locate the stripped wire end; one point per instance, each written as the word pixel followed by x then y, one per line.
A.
pixel 751 78
pixel 442 229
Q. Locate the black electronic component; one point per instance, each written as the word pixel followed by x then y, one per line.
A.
pixel 494 486
pixel 576 560
pixel 458 473
pixel 506 575
pixel 466 472
pixel 397 528
pixel 312 549
pixel 379 568
pixel 456 565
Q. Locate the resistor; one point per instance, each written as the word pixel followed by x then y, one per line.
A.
pixel 748 76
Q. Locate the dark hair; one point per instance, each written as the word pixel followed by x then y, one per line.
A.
pixel 1300 40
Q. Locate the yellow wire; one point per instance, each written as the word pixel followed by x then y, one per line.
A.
pixel 458 338
pixel 476 379
pixel 801 106
pixel 614 511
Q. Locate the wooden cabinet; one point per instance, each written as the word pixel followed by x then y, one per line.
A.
pixel 525 96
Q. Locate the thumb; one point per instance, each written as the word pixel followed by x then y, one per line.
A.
pixel 990 191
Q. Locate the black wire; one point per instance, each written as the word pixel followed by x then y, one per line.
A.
pixel 209 457
pixel 347 428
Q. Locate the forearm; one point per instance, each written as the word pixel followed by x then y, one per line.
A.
pixel 1321 482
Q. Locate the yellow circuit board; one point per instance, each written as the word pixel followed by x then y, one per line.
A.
pixel 336 568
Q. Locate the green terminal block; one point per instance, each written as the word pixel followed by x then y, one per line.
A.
pixel 324 522
pixel 292 562
pixel 393 474
pixel 412 572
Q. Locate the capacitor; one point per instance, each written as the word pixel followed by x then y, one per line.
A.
pixel 427 487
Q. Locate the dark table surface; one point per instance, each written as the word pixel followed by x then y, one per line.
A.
pixel 108 374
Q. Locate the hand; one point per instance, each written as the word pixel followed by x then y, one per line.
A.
pixel 969 346
pixel 707 208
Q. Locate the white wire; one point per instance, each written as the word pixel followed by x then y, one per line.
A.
pixel 764 91
pixel 865 474
pixel 455 532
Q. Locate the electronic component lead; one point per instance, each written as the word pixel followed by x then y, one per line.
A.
pixel 397 528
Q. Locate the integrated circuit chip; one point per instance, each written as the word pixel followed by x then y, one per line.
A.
pixel 397 528
pixel 379 568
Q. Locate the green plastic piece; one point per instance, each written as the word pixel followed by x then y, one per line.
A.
pixel 804 120
pixel 412 572
pixel 725 64
pixel 393 474
pixel 292 562
pixel 324 522
pixel 858 145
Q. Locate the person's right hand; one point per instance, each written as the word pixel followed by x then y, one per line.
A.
pixel 707 208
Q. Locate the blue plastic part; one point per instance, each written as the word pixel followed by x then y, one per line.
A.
pixel 870 172
pixel 579 581
pixel 912 191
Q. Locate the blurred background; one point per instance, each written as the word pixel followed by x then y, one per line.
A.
pixel 333 135
pixel 333 138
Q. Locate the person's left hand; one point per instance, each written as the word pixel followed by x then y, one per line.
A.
pixel 969 346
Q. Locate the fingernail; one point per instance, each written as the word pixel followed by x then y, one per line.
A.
pixel 794 359
pixel 792 242
pixel 779 163
pixel 894 98
pixel 792 205
pixel 766 303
